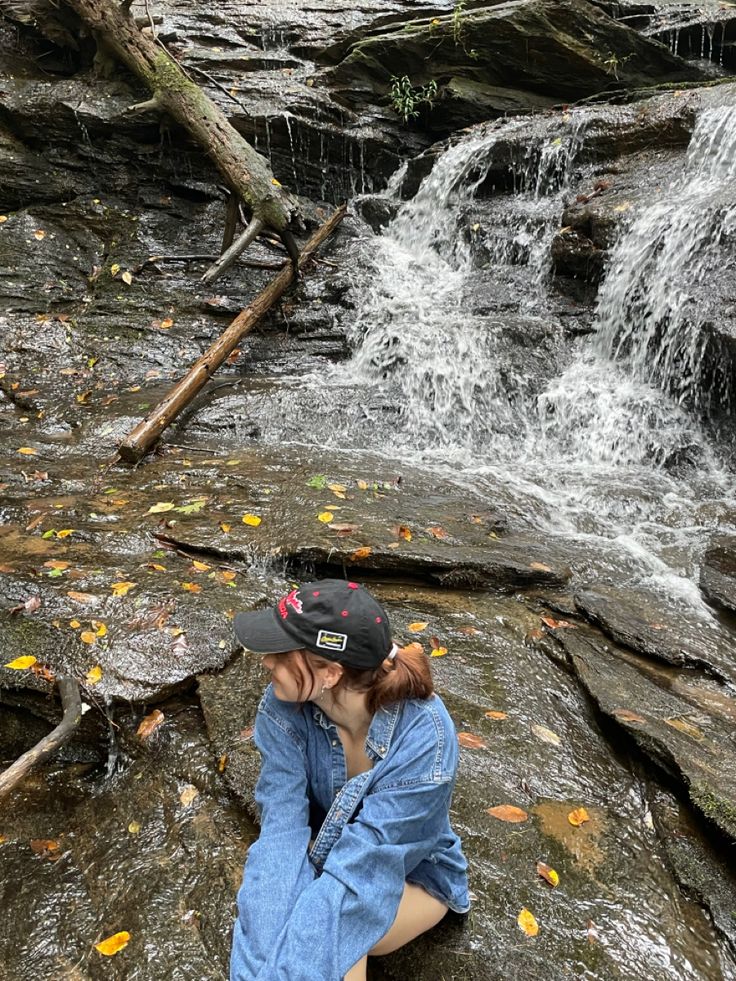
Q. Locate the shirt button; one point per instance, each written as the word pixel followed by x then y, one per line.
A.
pixel 334 742
pixel 383 749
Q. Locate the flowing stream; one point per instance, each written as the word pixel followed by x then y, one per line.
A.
pixel 601 446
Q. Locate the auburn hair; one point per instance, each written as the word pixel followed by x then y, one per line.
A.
pixel 408 675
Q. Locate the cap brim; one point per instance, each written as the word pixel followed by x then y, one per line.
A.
pixel 261 632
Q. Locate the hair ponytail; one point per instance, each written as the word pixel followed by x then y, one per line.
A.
pixel 406 675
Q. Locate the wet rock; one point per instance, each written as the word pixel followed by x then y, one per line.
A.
pixel 718 572
pixel 698 863
pixel 646 624
pixel 527 41
pixel 695 746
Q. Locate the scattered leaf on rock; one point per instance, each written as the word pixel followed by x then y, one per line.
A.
pixel 682 725
pixel 361 553
pixel 46 847
pixel 122 588
pixel 509 813
pixel 493 714
pixel 114 944
pixel 325 517
pixel 548 874
pixel 468 631
pixel 99 628
pixel 417 628
pixel 626 715
pixel 251 519
pixel 546 735
pixel 134 827
pixel 222 763
pixel 188 795
pixel 556 624
pixel 437 532
pixel 470 741
pixel 438 652
pixel 156 567
pixel 149 724
pixel 402 531
pixel 56 564
pixel 94 675
pixel 65 533
pixel 539 567
pixel 193 507
pixel 224 527
pixel 21 663
pixel 28 451
pixel 86 598
pixel 528 923
pixel 578 816
pixel 338 490
pixel 201 566
pixel 88 637
pixel 161 507
pixel 30 605
pixel 191 587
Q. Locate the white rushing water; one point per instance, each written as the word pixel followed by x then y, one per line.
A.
pixel 591 454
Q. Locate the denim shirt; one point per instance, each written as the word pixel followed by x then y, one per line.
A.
pixel 309 912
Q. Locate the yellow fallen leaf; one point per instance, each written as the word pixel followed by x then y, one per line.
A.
pixel 3 219
pixel 362 485
pixel 546 735
pixel 548 874
pixel 28 451
pixel 325 517
pixel 75 624
pixel 93 675
pixel 166 323
pixel 113 944
pixel 222 763
pixel 127 278
pixel 275 182
pixel 224 527
pixel 134 827
pixel 156 567
pixel 39 234
pixel 509 813
pixel 528 923
pixel 21 663
pixel 200 566
pixel 65 533
pixel 114 269
pixel 251 519
pixel 99 628
pixel 338 490
pixel 122 588
pixel 88 637
pixel 493 714
pixel 438 652
pixel 578 816
pixel 191 587
pixel 161 507
pixel 682 725
pixel 417 628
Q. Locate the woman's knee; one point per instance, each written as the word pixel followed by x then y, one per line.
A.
pixel 417 913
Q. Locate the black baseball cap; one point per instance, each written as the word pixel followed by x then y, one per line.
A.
pixel 338 620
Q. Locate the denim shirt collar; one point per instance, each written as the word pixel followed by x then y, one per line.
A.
pixel 381 728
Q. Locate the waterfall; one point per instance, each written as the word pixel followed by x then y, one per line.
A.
pixel 652 306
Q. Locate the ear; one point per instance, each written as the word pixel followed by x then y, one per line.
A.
pixel 333 673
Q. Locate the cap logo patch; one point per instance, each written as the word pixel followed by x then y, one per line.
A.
pixel 293 601
pixel 331 641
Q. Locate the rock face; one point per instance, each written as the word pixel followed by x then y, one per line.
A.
pixel 718 572
pixel 535 47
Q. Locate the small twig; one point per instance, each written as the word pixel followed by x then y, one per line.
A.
pixel 232 209
pixel 219 85
pixel 150 105
pixel 153 259
pixel 72 706
pixel 240 244
pixel 150 20
pixel 187 446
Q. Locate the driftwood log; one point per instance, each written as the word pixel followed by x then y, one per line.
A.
pixel 173 92
pixel 146 433
pixel 72 708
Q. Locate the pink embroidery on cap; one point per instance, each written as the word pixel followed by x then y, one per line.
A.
pixel 344 613
pixel 378 619
pixel 353 585
pixel 315 593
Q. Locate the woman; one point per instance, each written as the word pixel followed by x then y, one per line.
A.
pixel 356 855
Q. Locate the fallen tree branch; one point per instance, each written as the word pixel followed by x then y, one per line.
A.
pixel 72 706
pixel 146 433
pixel 229 256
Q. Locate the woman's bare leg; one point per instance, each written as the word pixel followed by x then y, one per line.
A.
pixel 417 913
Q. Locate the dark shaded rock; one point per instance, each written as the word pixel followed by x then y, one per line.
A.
pixel 718 572
pixel 701 868
pixel 532 42
pixel 695 747
pixel 647 624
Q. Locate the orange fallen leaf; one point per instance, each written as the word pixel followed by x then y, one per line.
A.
pixel 46 847
pixel 88 637
pixel 578 816
pixel 111 945
pixel 626 715
pixel 122 588
pixel 227 575
pixel 201 566
pixel 191 587
pixel 493 714
pixel 222 763
pixel 555 624
pixel 417 628
pixel 149 724
pixel 87 598
pixel 39 234
pixel 43 671
pixel 548 874
pixel 28 451
pixel 528 923
pixel 470 741
pixel 437 532
pixel 75 624
pixel 468 631
pixel 361 553
pixel 402 531
pixel 56 564
pixel 509 813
